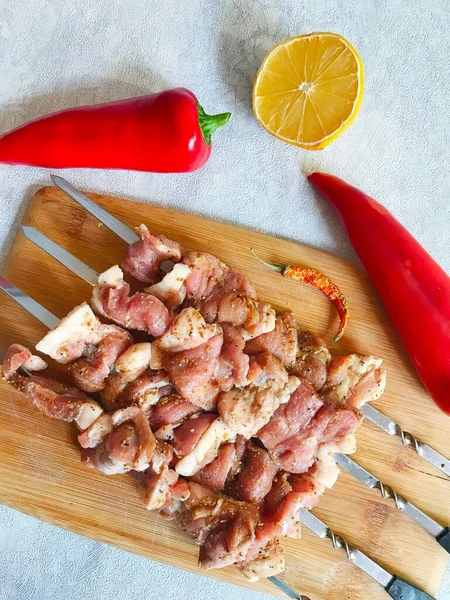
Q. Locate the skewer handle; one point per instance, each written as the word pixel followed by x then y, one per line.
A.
pixel 444 539
pixel 399 589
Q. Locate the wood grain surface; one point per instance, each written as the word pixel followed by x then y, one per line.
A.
pixel 40 469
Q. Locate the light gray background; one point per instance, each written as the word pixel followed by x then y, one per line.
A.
pixel 58 53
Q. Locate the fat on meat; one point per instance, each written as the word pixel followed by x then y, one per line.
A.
pixel 292 417
pixel 296 454
pixel 231 532
pixel 144 257
pixel 210 280
pixel 325 470
pixel 187 435
pixel 288 494
pixel 251 317
pixel 73 334
pixel 354 380
pixel 111 298
pixel 224 528
pixel 214 475
pixel 269 561
pixel 188 330
pixel 177 496
pixel 248 409
pixel 155 488
pixel 206 446
pixel 132 363
pixel 146 390
pixel 281 341
pixel 207 272
pixel 172 288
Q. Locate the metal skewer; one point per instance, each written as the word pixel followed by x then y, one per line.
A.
pixel 124 232
pixel 373 415
pixel 440 534
pixel 30 305
pixel 392 428
pixel 50 320
pixel 397 588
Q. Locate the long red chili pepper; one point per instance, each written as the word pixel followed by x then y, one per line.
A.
pixel 413 287
pixel 320 282
pixel 165 133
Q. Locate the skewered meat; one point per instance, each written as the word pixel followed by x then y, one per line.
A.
pixel 17 357
pixel 128 444
pixel 296 430
pixel 230 532
pixel 178 494
pixel 252 318
pixel 288 494
pixel 312 361
pixel 248 409
pixel 132 363
pixel 296 454
pixel 199 449
pixel 91 372
pixel 187 435
pixel 325 471
pixel 146 390
pixel 171 289
pixel 233 365
pixel 255 480
pixel 188 330
pixel 53 397
pixel 354 380
pixel 69 339
pixel 281 341
pixel 169 412
pixel 224 352
pixel 191 372
pixel 209 280
pixel 155 488
pixel 207 271
pixel 268 562
pixel 144 257
pixel 111 298
pixel 214 475
pixel 292 417
pixel 224 529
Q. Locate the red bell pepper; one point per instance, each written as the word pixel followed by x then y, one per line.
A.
pixel 413 287
pixel 167 132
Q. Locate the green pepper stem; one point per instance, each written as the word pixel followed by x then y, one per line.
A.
pixel 209 123
pixel 273 267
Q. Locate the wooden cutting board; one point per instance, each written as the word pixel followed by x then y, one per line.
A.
pixel 40 470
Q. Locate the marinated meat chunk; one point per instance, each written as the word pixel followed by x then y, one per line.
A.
pixel 111 298
pixel 281 342
pixel 144 257
pixel 312 361
pixel 354 380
